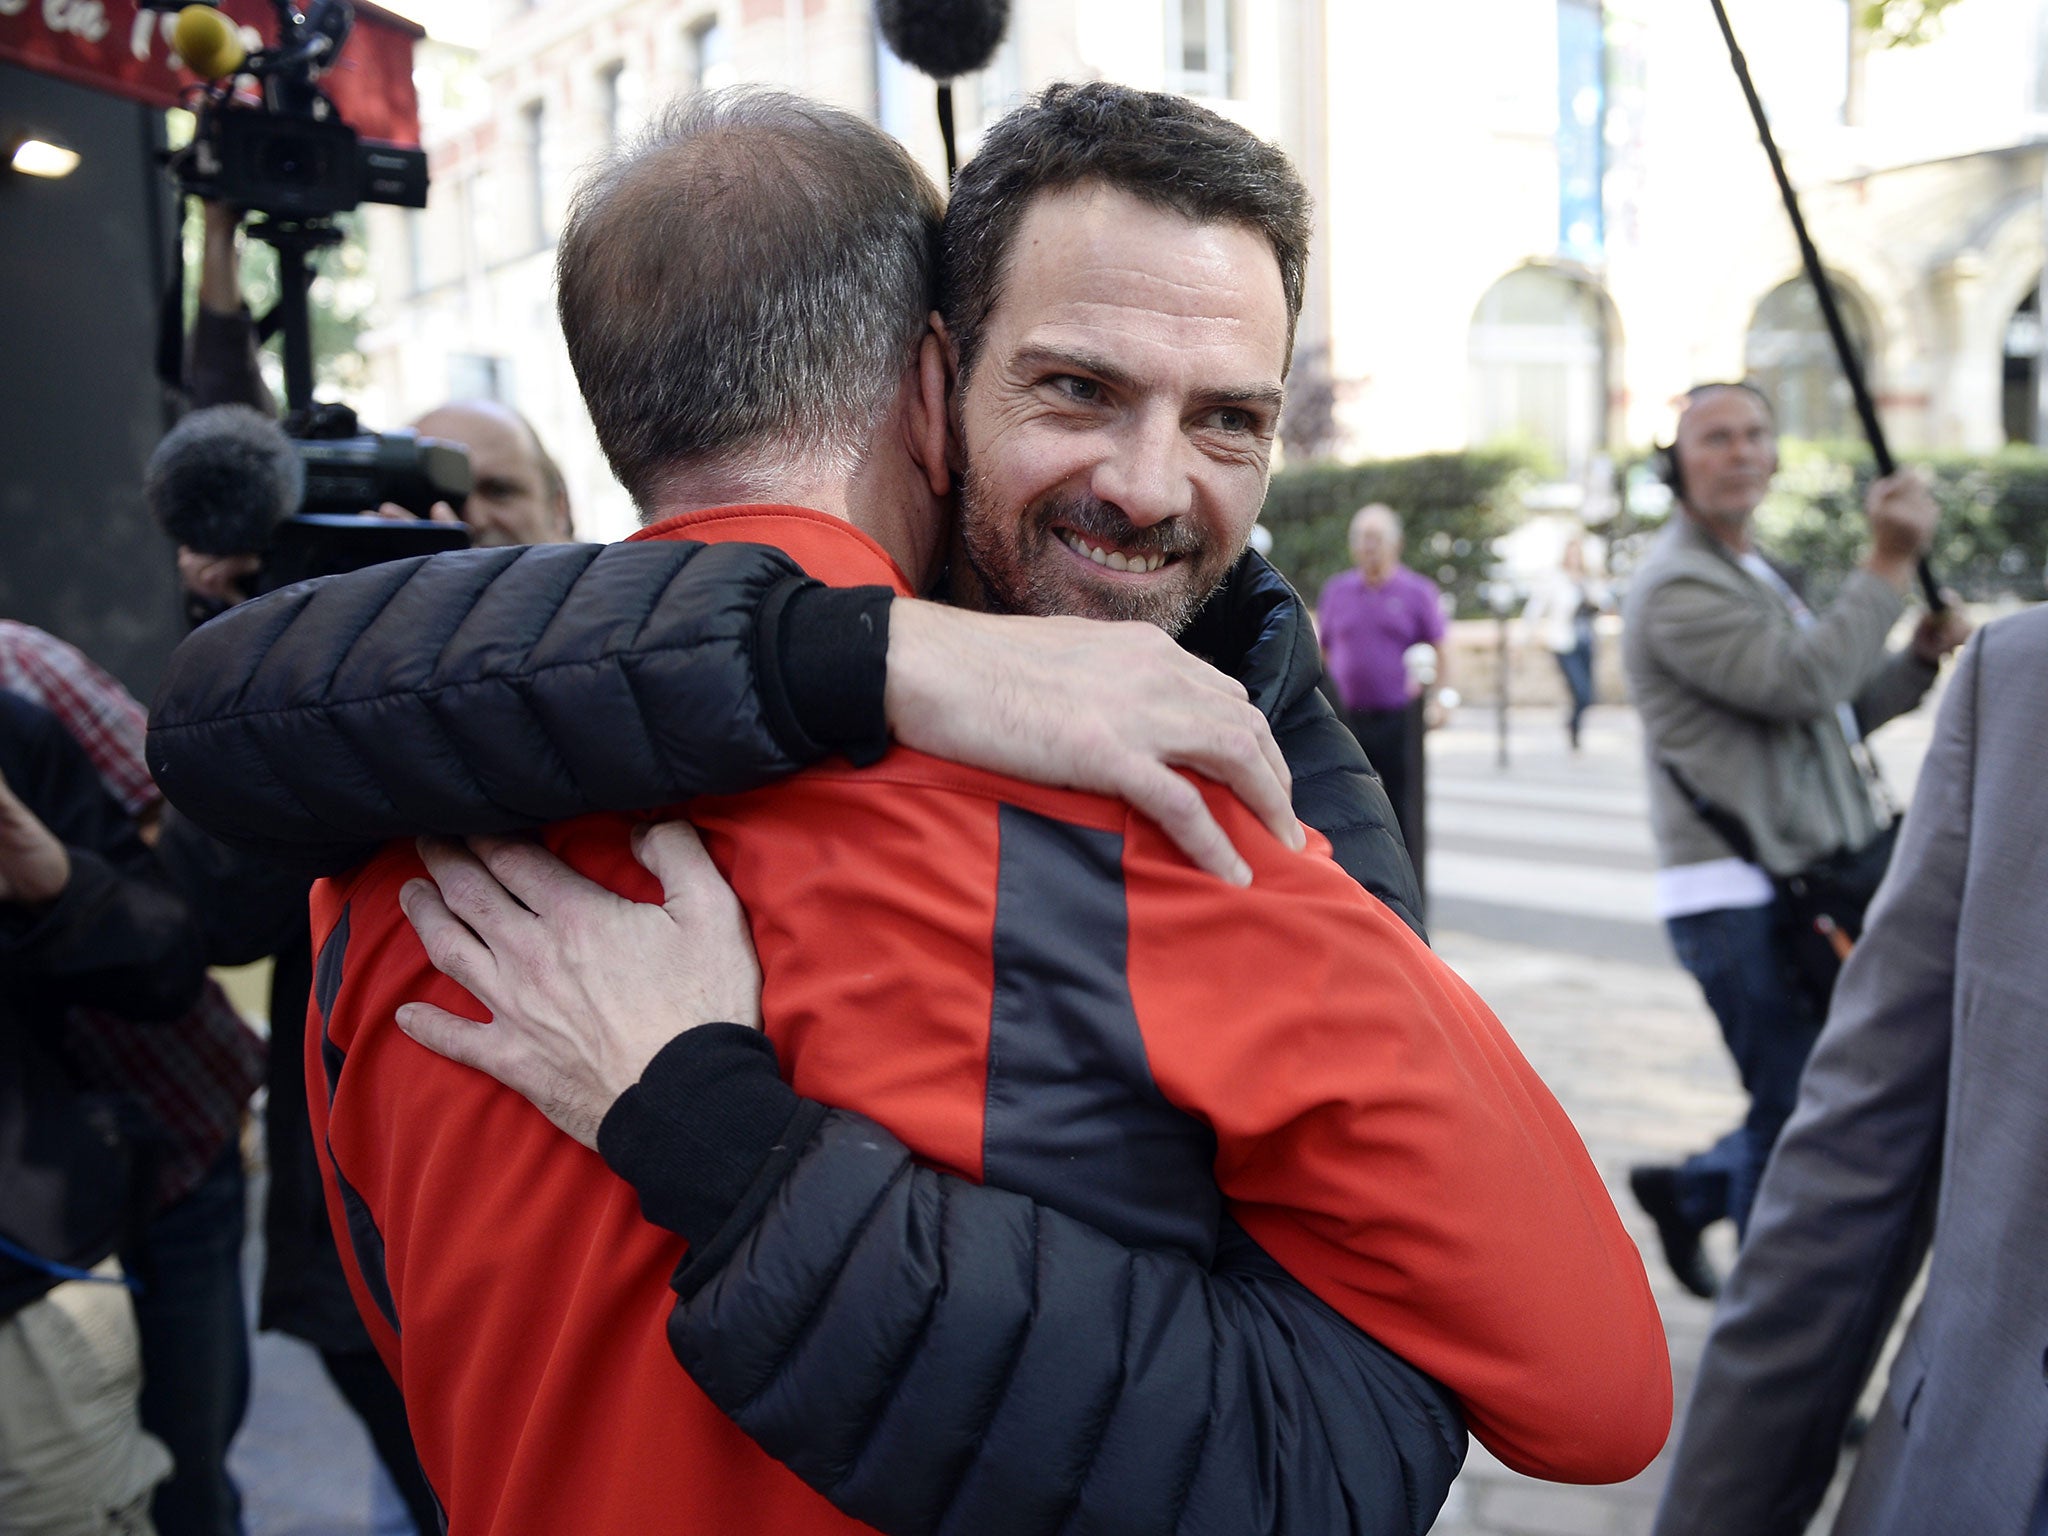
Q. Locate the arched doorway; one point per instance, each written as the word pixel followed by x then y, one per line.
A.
pixel 1541 352
pixel 1789 355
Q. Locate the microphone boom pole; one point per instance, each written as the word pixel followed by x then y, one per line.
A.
pixel 1823 289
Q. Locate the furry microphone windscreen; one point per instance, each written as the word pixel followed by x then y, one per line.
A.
pixel 222 479
pixel 944 38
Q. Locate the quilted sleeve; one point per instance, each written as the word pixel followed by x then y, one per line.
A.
pixel 493 690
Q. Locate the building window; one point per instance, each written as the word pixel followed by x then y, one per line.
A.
pixel 1541 353
pixel 707 55
pixel 476 376
pixel 535 121
pixel 609 110
pixel 1790 357
pixel 2041 56
pixel 1201 47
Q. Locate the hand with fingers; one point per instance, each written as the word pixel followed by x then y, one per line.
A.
pixel 34 866
pixel 583 986
pixel 1939 633
pixel 1112 709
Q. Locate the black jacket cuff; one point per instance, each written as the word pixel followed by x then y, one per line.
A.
pixel 707 1135
pixel 823 660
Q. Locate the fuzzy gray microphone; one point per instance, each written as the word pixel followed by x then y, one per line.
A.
pixel 222 480
pixel 944 38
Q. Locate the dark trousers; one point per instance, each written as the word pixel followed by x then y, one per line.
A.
pixel 195 1348
pixel 1735 956
pixel 1384 733
pixel 1577 666
pixel 360 1377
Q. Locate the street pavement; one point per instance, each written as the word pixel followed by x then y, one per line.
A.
pixel 1540 879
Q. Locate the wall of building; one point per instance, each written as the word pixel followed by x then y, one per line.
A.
pixel 1430 138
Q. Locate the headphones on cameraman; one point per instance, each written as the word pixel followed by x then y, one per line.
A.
pixel 1664 460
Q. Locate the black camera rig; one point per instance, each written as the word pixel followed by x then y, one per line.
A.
pixel 290 158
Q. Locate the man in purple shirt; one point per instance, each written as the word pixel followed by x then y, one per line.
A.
pixel 1368 617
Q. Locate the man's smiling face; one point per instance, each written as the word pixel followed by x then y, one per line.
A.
pixel 1118 421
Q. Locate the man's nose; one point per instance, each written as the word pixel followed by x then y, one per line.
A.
pixel 1147 473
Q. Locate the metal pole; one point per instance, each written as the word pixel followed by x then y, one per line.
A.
pixel 1500 612
pixel 1823 289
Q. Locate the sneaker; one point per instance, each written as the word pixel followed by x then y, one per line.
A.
pixel 1656 1191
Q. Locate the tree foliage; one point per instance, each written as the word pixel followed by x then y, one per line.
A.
pixel 1902 23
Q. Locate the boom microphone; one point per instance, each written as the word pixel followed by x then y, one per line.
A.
pixel 222 480
pixel 944 38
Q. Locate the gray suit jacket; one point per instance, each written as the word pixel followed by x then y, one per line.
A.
pixel 1927 1093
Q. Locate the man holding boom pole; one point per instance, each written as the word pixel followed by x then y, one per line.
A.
pixel 1754 710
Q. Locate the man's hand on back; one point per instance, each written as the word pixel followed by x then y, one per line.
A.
pixel 584 987
pixel 1108 708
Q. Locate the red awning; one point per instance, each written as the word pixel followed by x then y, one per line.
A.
pixel 110 45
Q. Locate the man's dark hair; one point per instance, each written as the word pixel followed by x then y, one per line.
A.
pixel 750 277
pixel 1163 149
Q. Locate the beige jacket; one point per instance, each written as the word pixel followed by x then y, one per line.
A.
pixel 1742 700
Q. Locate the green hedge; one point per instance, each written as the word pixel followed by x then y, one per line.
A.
pixel 1453 505
pixel 1993 539
pixel 1991 546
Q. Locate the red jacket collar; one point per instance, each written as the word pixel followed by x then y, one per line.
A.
pixel 828 548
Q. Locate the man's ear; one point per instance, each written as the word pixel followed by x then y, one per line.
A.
pixel 932 416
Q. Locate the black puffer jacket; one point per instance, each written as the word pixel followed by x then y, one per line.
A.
pixel 931 1354
pixel 498 690
pixel 942 1357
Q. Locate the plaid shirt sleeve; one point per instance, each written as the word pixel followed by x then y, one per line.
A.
pixel 103 716
pixel 194 1074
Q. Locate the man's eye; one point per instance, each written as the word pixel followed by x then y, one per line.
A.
pixel 1077 388
pixel 1230 419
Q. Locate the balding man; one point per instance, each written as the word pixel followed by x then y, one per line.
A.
pixel 517 495
pixel 1368 617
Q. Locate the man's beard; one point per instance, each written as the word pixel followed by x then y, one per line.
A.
pixel 1024 567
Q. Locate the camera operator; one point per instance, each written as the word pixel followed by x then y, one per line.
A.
pixel 224 482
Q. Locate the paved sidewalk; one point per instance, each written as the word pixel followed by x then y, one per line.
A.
pixel 1541 879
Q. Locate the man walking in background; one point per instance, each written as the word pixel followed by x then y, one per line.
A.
pixel 1368 618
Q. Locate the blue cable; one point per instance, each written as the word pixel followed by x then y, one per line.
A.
pixel 62 1271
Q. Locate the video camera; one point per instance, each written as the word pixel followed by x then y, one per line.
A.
pixel 288 154
pixel 227 480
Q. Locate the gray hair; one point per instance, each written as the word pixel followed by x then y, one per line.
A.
pixel 744 286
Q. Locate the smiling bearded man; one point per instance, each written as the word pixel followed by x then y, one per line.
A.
pixel 1120 360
